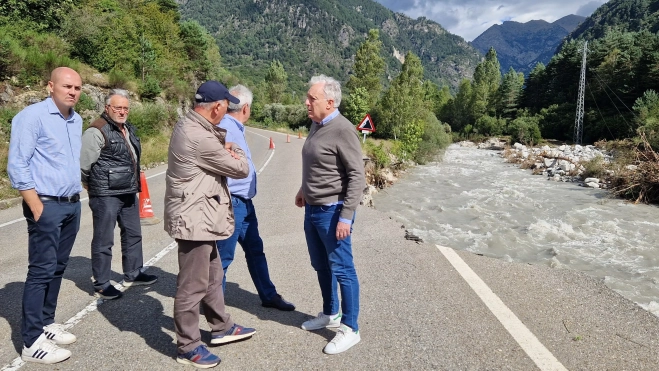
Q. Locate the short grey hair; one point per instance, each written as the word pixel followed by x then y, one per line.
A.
pixel 119 92
pixel 332 88
pixel 243 94
pixel 206 105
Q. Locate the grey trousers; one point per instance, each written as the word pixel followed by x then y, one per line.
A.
pixel 107 211
pixel 199 282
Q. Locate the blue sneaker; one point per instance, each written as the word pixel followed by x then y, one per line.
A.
pixel 200 357
pixel 236 332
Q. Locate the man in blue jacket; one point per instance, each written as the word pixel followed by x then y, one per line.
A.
pixel 242 192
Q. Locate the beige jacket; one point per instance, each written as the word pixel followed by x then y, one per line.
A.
pixel 197 200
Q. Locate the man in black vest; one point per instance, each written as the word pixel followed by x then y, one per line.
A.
pixel 110 171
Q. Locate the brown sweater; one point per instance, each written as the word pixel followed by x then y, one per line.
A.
pixel 333 166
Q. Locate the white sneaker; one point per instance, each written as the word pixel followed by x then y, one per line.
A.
pixel 58 334
pixel 345 339
pixel 44 351
pixel 322 321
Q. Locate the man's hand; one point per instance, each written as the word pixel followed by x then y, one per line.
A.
pixel 37 210
pixel 33 201
pixel 299 198
pixel 342 230
pixel 229 147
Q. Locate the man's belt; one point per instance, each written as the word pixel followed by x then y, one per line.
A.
pixel 74 198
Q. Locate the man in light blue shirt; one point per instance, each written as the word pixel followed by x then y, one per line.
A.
pixel 242 192
pixel 44 166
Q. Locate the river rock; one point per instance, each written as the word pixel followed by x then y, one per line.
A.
pixel 591 180
pixel 593 185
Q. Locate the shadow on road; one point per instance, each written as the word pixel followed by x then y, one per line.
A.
pixel 11 299
pixel 250 302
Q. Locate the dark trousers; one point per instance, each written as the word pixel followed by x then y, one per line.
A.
pixel 50 240
pixel 199 281
pixel 247 235
pixel 107 211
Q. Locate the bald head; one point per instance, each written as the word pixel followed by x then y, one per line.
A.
pixel 65 86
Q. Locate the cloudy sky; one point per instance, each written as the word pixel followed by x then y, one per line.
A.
pixel 469 18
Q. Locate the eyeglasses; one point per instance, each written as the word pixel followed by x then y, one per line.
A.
pixel 119 109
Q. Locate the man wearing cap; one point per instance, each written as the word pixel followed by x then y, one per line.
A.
pixel 198 212
pixel 247 225
pixel 110 170
pixel 44 166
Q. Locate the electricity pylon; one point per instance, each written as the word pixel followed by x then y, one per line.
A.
pixel 578 121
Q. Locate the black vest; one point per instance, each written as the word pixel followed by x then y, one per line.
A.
pixel 115 172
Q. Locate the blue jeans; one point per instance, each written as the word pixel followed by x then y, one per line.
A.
pixel 332 260
pixel 50 241
pixel 247 235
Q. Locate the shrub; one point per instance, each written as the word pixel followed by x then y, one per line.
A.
pixel 595 168
pixel 525 129
pixel 436 137
pixel 119 79
pixel 6 115
pixel 150 118
pixel 150 88
pixel 377 154
pixel 490 125
pixel 85 103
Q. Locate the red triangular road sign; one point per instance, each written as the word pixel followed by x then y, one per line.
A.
pixel 366 124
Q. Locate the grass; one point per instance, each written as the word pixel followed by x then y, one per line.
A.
pixel 154 148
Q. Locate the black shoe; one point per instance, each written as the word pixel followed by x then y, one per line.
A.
pixel 279 303
pixel 142 279
pixel 108 293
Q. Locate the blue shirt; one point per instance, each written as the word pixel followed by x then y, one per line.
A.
pixel 245 188
pixel 324 121
pixel 329 118
pixel 44 150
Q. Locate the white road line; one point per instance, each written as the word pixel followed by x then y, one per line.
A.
pixel 81 200
pixel 18 362
pixel 266 163
pixel 542 357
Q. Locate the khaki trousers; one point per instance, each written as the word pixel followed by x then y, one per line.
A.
pixel 199 282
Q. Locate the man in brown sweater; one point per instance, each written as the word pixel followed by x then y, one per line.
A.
pixel 332 185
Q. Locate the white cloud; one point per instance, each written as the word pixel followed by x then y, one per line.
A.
pixel 469 18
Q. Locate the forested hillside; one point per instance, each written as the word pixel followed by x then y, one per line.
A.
pixel 322 37
pixel 621 15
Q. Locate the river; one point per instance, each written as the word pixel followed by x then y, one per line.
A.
pixel 473 200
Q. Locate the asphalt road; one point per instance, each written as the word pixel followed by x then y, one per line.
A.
pixel 422 306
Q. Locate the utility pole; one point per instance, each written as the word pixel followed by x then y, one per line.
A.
pixel 578 121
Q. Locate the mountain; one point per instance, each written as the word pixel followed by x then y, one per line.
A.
pixel 322 36
pixel 523 45
pixel 621 15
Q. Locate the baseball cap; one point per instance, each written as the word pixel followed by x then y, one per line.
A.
pixel 213 91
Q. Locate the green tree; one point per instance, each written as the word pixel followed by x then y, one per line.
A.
pixel 277 81
pixel 368 68
pixel 487 78
pixel 400 103
pixel 507 98
pixel 459 112
pixel 147 57
pixel 434 97
pixel 356 106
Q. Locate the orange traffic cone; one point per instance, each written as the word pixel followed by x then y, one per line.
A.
pixel 288 138
pixel 146 211
pixel 272 144
pixel 299 135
